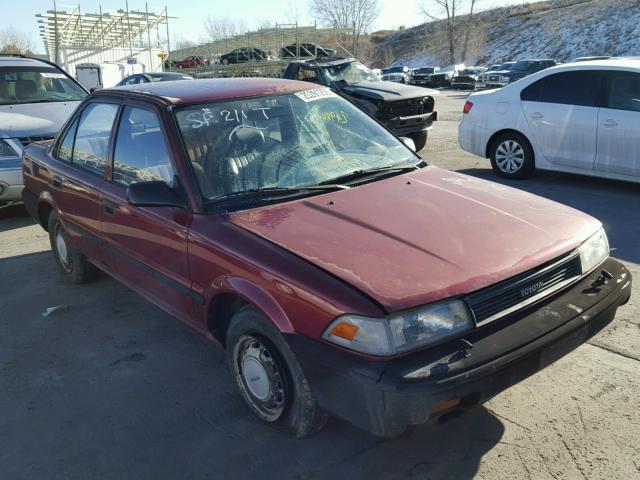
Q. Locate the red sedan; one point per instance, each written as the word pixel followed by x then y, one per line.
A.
pixel 342 274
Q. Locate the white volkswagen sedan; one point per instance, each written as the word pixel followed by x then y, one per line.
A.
pixel 578 118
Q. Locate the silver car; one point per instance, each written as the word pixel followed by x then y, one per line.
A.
pixel 36 97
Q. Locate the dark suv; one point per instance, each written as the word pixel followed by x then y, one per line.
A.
pixel 524 68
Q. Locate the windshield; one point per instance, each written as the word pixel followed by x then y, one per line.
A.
pixel 393 70
pixel 275 141
pixel 36 84
pixel 352 72
pixel 507 66
pixel 468 71
pixel 425 70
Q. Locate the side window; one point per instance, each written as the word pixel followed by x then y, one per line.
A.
pixel 624 91
pixel 92 139
pixel 141 153
pixel 65 148
pixel 532 92
pixel 572 88
pixel 308 75
pixel 133 80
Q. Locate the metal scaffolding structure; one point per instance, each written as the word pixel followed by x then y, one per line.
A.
pixel 128 29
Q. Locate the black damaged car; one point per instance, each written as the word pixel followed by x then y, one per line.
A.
pixel 406 110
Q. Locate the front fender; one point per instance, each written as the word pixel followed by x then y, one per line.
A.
pixel 257 296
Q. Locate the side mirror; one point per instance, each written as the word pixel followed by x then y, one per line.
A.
pixel 154 194
pixel 409 143
pixel 91 90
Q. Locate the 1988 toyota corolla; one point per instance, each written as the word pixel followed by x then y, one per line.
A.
pixel 342 274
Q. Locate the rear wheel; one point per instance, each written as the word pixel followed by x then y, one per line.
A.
pixel 71 262
pixel 419 139
pixel 268 375
pixel 512 156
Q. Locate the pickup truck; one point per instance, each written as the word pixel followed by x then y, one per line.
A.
pixel 342 274
pixel 406 110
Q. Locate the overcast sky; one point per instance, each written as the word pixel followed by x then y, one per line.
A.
pixel 191 13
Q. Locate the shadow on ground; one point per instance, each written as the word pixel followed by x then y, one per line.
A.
pixel 616 204
pixel 115 388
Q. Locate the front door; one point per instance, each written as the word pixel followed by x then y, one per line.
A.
pixel 562 113
pixel 148 244
pixel 619 126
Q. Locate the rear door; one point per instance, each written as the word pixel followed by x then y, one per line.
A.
pixel 76 186
pixel 148 244
pixel 619 125
pixel 562 112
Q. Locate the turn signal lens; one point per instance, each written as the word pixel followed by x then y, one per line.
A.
pixel 467 107
pixel 345 330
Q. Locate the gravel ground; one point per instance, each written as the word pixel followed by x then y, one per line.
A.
pixel 115 388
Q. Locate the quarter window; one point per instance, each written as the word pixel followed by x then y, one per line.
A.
pixel 624 93
pixel 141 154
pixel 92 137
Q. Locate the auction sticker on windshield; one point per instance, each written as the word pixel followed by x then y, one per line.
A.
pixel 315 94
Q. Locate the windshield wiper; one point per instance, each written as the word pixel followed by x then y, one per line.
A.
pixel 365 172
pixel 266 192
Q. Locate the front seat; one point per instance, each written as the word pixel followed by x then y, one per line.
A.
pixel 25 89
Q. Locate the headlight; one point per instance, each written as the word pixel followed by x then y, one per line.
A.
pixel 7 150
pixel 506 79
pixel 400 332
pixel 594 251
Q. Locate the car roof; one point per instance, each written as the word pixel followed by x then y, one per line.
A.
pixel 603 63
pixel 17 61
pixel 211 89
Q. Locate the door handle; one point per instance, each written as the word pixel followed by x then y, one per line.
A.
pixel 610 123
pixel 536 116
pixel 57 181
pixel 109 207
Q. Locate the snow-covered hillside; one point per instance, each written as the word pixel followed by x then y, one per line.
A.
pixel 562 30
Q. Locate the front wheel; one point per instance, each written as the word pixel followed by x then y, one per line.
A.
pixel 419 139
pixel 268 375
pixel 512 156
pixel 225 61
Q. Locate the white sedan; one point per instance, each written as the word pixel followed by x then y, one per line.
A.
pixel 578 118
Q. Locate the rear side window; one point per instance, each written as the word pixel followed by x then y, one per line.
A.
pixel 624 91
pixel 572 88
pixel 532 92
pixel 141 154
pixel 92 137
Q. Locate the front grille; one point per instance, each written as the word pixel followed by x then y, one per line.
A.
pixel 438 78
pixel 491 302
pixel 27 140
pixel 407 108
pixel 464 79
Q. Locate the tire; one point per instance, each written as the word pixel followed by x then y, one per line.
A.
pixel 419 139
pixel 512 156
pixel 269 377
pixel 180 66
pixel 72 264
pixel 225 61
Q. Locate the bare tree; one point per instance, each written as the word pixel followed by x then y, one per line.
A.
pixel 180 43
pixel 452 23
pixel 467 32
pixel 450 8
pixel 15 41
pixel 219 28
pixel 357 15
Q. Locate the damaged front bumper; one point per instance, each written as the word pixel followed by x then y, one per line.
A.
pixel 402 126
pixel 386 396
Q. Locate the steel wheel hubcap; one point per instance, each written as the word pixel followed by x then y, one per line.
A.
pixel 61 248
pixel 261 377
pixel 510 156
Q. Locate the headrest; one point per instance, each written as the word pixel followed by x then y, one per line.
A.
pixel 25 88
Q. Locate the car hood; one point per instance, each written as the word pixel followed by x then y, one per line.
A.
pixel 34 119
pixel 423 236
pixel 387 91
